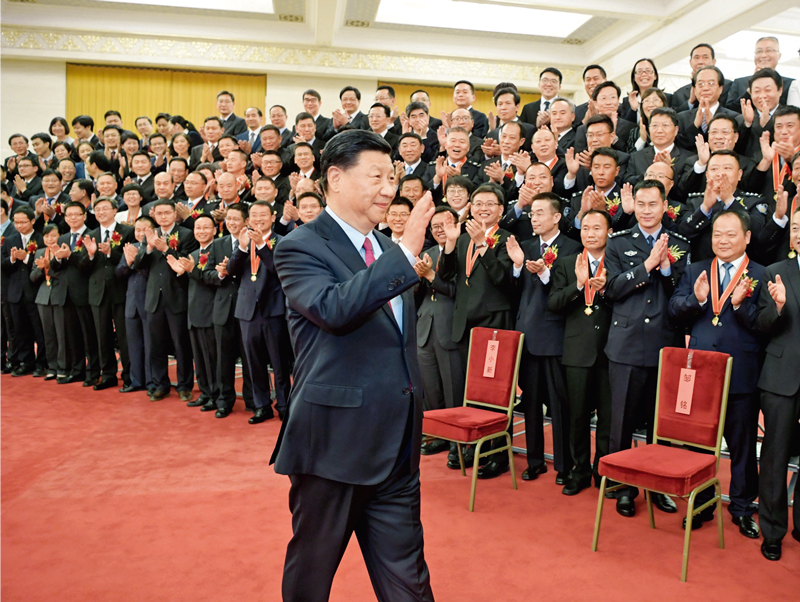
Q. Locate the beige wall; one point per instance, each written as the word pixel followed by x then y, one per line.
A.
pixel 31 93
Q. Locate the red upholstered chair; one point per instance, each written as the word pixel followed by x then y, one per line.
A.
pixel 677 471
pixel 478 420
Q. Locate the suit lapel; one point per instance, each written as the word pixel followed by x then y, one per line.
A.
pixel 340 244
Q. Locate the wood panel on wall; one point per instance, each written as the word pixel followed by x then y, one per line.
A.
pixel 94 89
pixel 442 97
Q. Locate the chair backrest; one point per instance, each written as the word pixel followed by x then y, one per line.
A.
pixel 500 389
pixel 704 425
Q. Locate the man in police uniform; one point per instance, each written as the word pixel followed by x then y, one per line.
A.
pixel 644 265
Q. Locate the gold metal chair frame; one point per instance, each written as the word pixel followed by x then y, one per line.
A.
pixel 691 511
pixel 478 453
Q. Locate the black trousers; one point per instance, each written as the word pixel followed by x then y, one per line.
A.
pixel 589 389
pixel 109 318
pixel 204 350
pixel 542 381
pixel 386 521
pixel 8 342
pixel 137 331
pixel 443 374
pixel 633 390
pixel 229 347
pixel 780 427
pixel 266 340
pixel 28 334
pixel 47 316
pixel 75 328
pixel 166 326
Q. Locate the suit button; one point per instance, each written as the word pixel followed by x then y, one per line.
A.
pixel 615 322
pixel 647 320
pixel 402 279
pixel 649 301
pixel 391 286
pixel 406 391
pixel 598 328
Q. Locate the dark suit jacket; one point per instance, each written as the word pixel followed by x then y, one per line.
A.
pixel 75 274
pixel 136 285
pixel 779 374
pixel 148 187
pixel 567 141
pixel 528 131
pixel 201 293
pixel 234 125
pixel 264 297
pixel 752 179
pixel 737 336
pixel 435 315
pixel 102 280
pixel 44 294
pixel 641 160
pixel 530 112
pixel 739 90
pixel 626 112
pixel 687 130
pixel 584 336
pixel 544 329
pixel 640 324
pixel 227 288
pixel 58 218
pixel 480 123
pixel 680 97
pixel 163 282
pixel 197 152
pixel 33 190
pixel 245 137
pixel 356 376
pixel 623 132
pixel 17 285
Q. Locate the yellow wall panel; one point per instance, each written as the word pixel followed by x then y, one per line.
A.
pixel 93 89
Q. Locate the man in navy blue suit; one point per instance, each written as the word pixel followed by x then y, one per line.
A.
pixel 717 299
pixel 356 379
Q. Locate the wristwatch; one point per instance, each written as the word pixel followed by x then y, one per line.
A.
pixel 480 246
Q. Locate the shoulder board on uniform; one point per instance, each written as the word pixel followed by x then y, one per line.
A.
pixel 473 163
pixel 620 233
pixel 693 194
pixel 678 236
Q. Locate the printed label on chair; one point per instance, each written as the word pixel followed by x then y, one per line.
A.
pixel 685 391
pixel 491 359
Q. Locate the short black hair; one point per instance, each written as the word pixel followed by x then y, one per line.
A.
pixel 162 116
pixel 44 137
pixel 128 135
pixel 552 198
pixel 388 89
pixel 140 153
pixel 112 112
pixel 668 111
pixel 411 178
pixel 129 188
pixel 168 202
pixel 724 153
pixel 74 204
pixel 604 151
pixel 605 215
pixel 12 136
pixel 303 115
pixel 762 73
pixel 602 86
pixel 52 172
pixel 343 151
pixel 590 67
pixel 230 137
pixel 417 91
pixel 413 135
pixel 314 93
pixel 214 118
pixel 60 120
pixel 148 219
pixel 260 114
pixel 185 162
pixel 206 216
pixel 446 209
pixel 350 89
pixel 720 76
pixel 464 81
pixel 269 128
pixel 314 195
pixel 116 128
pixel 502 85
pixel 27 211
pixel 554 71
pixel 416 106
pixel 744 217
pixel 489 187
pixel 303 145
pixel 135 121
pixel 281 107
pixel 84 121
pixel 703 45
pixel 98 158
pixel 784 110
pixel 460 181
pixel 386 110
pixel 600 118
pixel 84 184
pixel 233 99
pixel 401 200
pixel 106 199
pixel 49 228
pixel 507 90
pixel 644 184
pixel 726 117
pixel 241 208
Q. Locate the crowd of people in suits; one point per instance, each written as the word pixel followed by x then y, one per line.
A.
pixel 604 232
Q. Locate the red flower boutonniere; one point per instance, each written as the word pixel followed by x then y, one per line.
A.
pixel 115 239
pixel 202 261
pixel 270 243
pixel 550 256
pixel 172 241
pixel 612 205
pixel 58 208
pixel 32 246
pixel 673 212
pixel 196 213
pixel 752 284
pixel 493 240
pixel 78 245
pixel 674 253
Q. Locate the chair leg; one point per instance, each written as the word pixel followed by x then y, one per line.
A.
pixel 688 537
pixel 461 460
pixel 511 461
pixel 475 465
pixel 600 500
pixel 649 498
pixel 718 491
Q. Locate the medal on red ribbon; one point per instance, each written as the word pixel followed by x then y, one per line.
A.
pixel 588 291
pixel 718 301
pixel 472 252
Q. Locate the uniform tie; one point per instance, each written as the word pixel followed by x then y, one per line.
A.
pixel 650 240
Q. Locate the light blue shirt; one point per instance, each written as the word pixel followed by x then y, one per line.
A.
pixel 357 238
pixel 4 226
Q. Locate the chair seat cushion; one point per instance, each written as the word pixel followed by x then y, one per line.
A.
pixel 673 470
pixel 463 423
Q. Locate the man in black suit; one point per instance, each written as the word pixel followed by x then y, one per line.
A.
pixel 278 117
pixel 260 308
pixel 350 98
pixel 562 117
pixel 196 203
pixel 305 161
pixel 599 134
pixel 592 76
pixel 73 317
pixel 463 97
pixel 166 300
pixel 785 146
pixel 345 297
pixel 606 101
pixel 779 318
pixel 685 98
pixel 536 113
pixel 603 192
pixel 410 147
pixel 507 170
pixel 663 132
pixel 312 101
pixel 46 282
pixel 463 119
pixel 644 266
pixel 249 140
pixel 18 249
pixel 106 293
pixel 272 166
pixel 439 359
pixel 767 55
pixel 142 176
pixel 717 300
pixel 208 152
pixel 18 144
pixel 478 262
pixel 226 326
pixel 200 307
pixel 8 343
pixel 27 183
pixel 419 122
pixel 506 102
pixel 137 329
pixel 578 293
pixel 708 84
pixel 541 374
pixel 517 219
pixel 453 162
pixel 306 131
pixel 232 124
pixel 380 119
pixel 765 88
pixel 83 126
pixel 49 207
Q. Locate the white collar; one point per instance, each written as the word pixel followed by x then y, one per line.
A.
pixel 414 165
pixel 736 263
pixel 668 149
pixel 549 243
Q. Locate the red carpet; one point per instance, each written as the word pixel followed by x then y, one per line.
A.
pixel 111 497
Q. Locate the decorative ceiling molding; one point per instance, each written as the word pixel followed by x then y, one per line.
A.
pixel 96 47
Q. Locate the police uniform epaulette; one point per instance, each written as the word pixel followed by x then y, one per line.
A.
pixel 620 233
pixel 473 163
pixel 678 236
pixel 695 194
pixel 750 194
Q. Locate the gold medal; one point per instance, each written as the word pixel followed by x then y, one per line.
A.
pixel 466 281
pixel 715 321
pixel 792 254
pixel 253 277
pixel 588 311
pixel 48 283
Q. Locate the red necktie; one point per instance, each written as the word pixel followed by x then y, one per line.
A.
pixel 369 256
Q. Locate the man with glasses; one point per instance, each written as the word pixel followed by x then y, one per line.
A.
pixel 766 56
pixel 684 97
pixel 312 101
pixel 605 100
pixel 708 84
pixel 537 113
pixel 416 119
pixel 463 118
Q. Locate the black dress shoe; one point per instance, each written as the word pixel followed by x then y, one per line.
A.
pixel 281 415
pixel 796 534
pixel 106 384
pixel 90 382
pixel 492 469
pixel 222 413
pixel 39 372
pixel 575 486
pixel 625 506
pixel 771 549
pixel 51 376
pixel 158 394
pixel 699 520
pixel 200 401
pixel 437 446
pixel 209 406
pixel 531 474
pixel 664 503
pixel 747 526
pixel 65 380
pixel 261 415
pixel 130 389
pixel 8 368
pixel 185 395
pixel 22 370
pixel 561 478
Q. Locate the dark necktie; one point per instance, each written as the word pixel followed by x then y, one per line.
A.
pixel 726 279
pixel 594 267
pixel 544 248
pixel 73 240
pixel 650 240
pixel 546 105
pixel 50 200
pixel 105 236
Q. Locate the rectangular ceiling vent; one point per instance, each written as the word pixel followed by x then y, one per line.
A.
pixel 356 23
pixel 292 18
